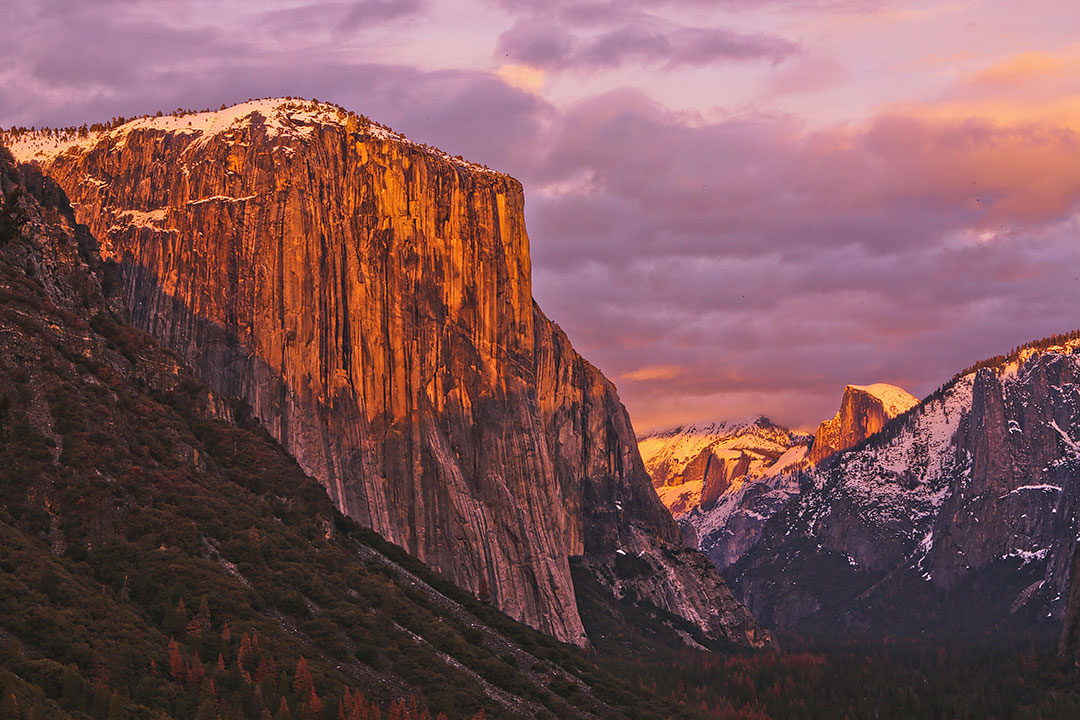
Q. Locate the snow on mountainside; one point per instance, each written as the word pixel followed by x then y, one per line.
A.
pixel 895 400
pixel 723 482
pixel 963 512
pixel 717 458
pixel 281 117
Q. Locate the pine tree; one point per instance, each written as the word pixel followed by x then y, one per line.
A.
pixel 176 662
pixel 283 711
pixel 354 706
pixel 244 657
pixel 72 689
pixel 116 708
pixel 196 672
pixel 266 669
pixel 102 700
pixel 208 704
pixel 304 687
pixel 9 705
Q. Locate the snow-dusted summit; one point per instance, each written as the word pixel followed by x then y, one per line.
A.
pixel 723 481
pixel 280 118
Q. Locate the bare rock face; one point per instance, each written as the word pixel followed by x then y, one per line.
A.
pixel 717 474
pixel 1069 642
pixel 863 411
pixel 371 300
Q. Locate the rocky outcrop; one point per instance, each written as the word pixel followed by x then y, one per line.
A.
pixel 864 410
pixel 717 474
pixel 961 514
pixel 370 298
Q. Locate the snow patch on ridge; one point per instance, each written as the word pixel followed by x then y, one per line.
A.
pixel 221 198
pixel 280 117
pixel 895 400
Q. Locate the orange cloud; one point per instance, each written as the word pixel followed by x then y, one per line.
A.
pixel 1001 171
pixel 523 77
pixel 653 372
pixel 1019 68
pixel 1029 87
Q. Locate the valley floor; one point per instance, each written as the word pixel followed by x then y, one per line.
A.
pixel 985 678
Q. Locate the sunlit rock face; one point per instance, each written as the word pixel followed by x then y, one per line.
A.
pixel 694 465
pixel 863 411
pixel 962 514
pixel 371 300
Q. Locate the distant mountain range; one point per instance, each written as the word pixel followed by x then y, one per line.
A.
pixel 956 513
pixel 722 481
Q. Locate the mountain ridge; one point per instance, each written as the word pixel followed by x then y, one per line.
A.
pixel 723 481
pixel 971 488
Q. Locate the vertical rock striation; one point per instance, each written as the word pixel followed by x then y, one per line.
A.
pixel 371 300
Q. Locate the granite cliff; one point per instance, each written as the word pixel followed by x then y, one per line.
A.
pixel 163 557
pixel 863 411
pixel 370 300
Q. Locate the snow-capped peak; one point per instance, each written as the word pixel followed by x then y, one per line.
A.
pixel 895 400
pixel 279 117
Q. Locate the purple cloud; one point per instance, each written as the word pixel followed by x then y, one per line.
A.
pixel 711 268
pixel 551 46
pixel 339 16
pixel 770 265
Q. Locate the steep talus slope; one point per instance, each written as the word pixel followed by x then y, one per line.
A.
pixel 160 561
pixel 961 513
pixel 370 299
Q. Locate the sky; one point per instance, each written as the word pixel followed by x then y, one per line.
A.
pixel 735 207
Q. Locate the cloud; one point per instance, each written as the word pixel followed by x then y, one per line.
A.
pixel 366 12
pixel 523 77
pixel 653 372
pixel 715 263
pixel 94 62
pixel 764 265
pixel 552 46
pixel 675 187
pixel 1019 68
pixel 334 18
